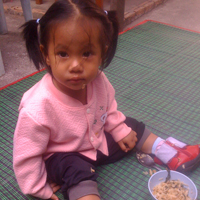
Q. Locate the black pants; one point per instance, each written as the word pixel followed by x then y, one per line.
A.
pixel 70 168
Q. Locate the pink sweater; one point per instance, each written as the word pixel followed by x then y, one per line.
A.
pixel 50 121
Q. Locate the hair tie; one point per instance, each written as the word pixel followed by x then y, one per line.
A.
pixel 106 12
pixel 38 21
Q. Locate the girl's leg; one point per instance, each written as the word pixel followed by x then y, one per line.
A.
pixel 148 144
pixel 75 173
pixel 89 197
pixel 173 153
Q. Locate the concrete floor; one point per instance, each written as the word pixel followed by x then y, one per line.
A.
pixel 181 13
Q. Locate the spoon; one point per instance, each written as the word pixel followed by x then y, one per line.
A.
pixel 146 160
pixel 168 175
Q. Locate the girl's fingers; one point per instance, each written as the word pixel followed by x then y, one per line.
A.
pixel 54 197
pixel 55 187
pixel 123 146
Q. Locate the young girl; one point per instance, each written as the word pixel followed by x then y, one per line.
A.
pixel 68 122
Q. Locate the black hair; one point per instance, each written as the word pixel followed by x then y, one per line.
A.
pixel 35 33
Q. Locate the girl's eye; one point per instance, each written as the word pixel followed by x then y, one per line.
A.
pixel 87 54
pixel 63 54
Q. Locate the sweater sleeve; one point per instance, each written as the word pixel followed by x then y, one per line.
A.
pixel 30 142
pixel 115 119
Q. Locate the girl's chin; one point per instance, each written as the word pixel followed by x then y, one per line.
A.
pixel 77 88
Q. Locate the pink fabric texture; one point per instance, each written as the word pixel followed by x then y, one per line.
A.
pixel 50 121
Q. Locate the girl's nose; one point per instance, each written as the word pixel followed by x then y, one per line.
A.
pixel 75 66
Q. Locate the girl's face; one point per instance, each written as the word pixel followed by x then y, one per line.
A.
pixel 74 53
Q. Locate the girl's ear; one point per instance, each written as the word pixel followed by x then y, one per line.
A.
pixel 46 57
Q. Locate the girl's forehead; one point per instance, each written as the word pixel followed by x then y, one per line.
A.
pixel 77 31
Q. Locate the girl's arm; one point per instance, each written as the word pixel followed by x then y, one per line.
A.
pixel 30 143
pixel 115 119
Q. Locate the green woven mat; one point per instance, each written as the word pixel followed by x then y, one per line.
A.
pixel 156 74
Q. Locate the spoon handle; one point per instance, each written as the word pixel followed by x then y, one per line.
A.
pixel 168 175
pixel 157 167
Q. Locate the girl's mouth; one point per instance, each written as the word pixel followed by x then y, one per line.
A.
pixel 76 80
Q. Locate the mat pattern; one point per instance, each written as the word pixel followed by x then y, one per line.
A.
pixel 156 74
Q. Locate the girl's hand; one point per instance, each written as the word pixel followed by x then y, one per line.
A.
pixel 54 197
pixel 127 143
pixel 55 187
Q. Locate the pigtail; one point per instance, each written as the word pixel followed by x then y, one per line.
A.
pixel 30 35
pixel 113 37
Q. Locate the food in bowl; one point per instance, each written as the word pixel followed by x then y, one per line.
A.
pixel 160 177
pixel 171 190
